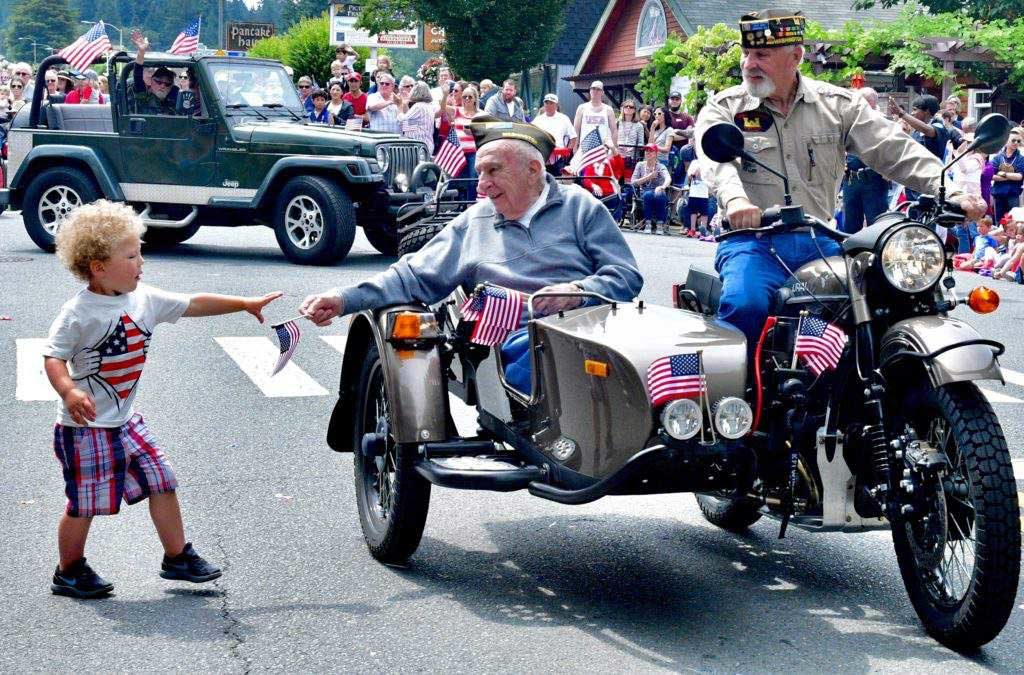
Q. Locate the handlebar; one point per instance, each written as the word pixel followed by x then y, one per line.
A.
pixel 770 224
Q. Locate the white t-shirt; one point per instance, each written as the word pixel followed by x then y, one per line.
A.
pixel 595 119
pixel 105 339
pixel 558 125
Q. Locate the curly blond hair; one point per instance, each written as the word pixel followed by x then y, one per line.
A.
pixel 92 232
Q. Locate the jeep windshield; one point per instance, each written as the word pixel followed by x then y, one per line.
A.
pixel 244 87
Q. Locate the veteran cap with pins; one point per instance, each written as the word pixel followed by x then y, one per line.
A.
pixel 772 28
pixel 487 128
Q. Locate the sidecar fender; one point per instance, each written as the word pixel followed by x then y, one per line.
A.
pixel 929 334
pixel 412 379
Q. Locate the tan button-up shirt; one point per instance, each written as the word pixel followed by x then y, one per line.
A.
pixel 808 146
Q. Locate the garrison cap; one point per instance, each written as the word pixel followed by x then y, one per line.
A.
pixel 487 128
pixel 772 28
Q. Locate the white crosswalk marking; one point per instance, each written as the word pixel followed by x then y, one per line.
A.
pixel 256 357
pixel 337 342
pixel 997 397
pixel 1018 470
pixel 32 384
pixel 1013 377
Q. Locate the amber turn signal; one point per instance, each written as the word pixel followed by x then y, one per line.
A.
pixel 596 368
pixel 983 300
pixel 406 326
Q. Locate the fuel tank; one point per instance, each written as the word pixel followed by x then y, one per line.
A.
pixel 822 280
pixel 609 417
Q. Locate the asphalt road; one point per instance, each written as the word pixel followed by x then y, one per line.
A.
pixel 501 582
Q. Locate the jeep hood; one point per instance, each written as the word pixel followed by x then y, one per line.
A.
pixel 315 139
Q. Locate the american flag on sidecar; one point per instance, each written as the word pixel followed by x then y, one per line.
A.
pixel 497 312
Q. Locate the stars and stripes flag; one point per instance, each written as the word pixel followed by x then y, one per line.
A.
pixel 496 311
pixel 122 356
pixel 819 344
pixel 676 376
pixel 450 156
pixel 592 151
pixel 82 52
pixel 188 39
pixel 288 336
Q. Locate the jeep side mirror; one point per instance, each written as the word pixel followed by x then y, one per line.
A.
pixel 991 133
pixel 722 142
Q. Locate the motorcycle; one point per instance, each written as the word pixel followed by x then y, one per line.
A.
pixel 891 433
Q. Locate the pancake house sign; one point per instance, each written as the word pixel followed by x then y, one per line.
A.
pixel 242 36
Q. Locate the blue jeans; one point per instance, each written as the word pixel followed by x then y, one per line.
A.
pixel 655 205
pixel 515 356
pixel 751 275
pixel 467 191
pixel 863 199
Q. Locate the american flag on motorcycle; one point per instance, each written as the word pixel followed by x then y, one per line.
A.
pixel 496 311
pixel 592 151
pixel 122 356
pixel 450 156
pixel 288 338
pixel 676 376
pixel 819 344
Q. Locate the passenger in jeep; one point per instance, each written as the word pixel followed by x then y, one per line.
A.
pixel 162 96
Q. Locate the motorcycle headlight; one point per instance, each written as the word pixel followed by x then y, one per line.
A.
pixel 421 153
pixel 733 417
pixel 382 158
pixel 682 418
pixel 913 259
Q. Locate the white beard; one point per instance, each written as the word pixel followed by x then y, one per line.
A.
pixel 759 89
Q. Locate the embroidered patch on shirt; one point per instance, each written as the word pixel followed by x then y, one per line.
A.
pixel 754 121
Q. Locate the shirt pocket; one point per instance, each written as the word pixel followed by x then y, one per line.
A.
pixel 821 157
pixel 766 150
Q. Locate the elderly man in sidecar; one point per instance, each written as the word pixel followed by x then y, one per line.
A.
pixel 534 234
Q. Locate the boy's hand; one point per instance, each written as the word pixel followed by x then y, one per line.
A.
pixel 255 305
pixel 80 406
pixel 321 308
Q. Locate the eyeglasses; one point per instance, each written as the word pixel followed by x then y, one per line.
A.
pixel 23 73
pixel 629 107
pixel 163 83
pixel 468 97
pixel 305 86
pixel 50 81
pixel 16 86
pixel 389 84
pixel 1015 141
pixel 182 77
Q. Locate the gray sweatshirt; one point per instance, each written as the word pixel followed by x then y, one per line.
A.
pixel 572 238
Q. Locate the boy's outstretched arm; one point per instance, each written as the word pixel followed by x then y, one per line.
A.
pixel 79 404
pixel 210 304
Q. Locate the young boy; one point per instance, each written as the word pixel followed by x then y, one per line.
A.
pixel 94 357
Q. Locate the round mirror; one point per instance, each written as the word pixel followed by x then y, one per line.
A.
pixel 723 142
pixel 991 133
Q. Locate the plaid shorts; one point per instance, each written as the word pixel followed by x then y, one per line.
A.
pixel 104 466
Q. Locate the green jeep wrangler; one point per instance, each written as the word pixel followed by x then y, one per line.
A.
pixel 240 152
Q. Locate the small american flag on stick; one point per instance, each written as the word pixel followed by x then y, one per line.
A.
pixel 188 39
pixel 677 376
pixel 592 151
pixel 819 344
pixel 450 156
pixel 288 336
pixel 82 52
pixel 496 311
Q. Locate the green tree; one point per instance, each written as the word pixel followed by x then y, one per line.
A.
pixel 49 22
pixel 1009 10
pixel 710 58
pixel 305 48
pixel 475 48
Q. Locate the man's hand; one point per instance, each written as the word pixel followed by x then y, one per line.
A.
pixel 80 406
pixel 552 304
pixel 741 214
pixel 660 190
pixel 255 305
pixel 894 108
pixel 321 308
pixel 85 363
pixel 141 42
pixel 974 206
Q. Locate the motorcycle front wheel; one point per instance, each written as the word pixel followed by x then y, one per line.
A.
pixel 960 557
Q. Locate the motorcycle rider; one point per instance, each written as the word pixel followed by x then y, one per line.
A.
pixel 532 234
pixel 800 127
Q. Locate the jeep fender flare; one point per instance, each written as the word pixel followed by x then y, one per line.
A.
pixel 413 381
pixel 351 170
pixel 67 155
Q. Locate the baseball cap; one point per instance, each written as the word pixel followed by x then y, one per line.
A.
pixel 651 147
pixel 675 94
pixel 597 84
pixel 354 77
pixel 550 97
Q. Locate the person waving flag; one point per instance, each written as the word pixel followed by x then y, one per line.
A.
pixel 82 52
pixel 188 39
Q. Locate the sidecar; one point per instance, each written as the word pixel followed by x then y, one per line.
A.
pixel 586 428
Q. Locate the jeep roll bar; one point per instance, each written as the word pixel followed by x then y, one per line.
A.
pixel 40 85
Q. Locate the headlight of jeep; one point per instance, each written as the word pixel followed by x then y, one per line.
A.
pixel 682 418
pixel 421 153
pixel 382 158
pixel 913 259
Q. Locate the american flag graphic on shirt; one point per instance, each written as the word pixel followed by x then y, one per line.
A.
pixel 676 376
pixel 819 344
pixel 122 356
pixel 496 311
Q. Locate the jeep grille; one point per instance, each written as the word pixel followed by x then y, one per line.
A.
pixel 401 159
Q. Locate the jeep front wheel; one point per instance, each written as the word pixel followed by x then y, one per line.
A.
pixel 314 221
pixel 51 198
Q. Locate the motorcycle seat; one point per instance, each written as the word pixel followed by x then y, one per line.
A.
pixel 701 292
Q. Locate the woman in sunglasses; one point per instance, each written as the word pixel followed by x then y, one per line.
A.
pixel 17 94
pixel 632 134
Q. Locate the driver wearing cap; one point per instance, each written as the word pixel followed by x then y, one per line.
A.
pixel 532 234
pixel 801 128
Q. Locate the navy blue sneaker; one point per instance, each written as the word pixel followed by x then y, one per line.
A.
pixel 188 566
pixel 80 581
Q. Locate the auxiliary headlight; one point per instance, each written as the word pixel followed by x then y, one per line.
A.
pixel 913 259
pixel 382 158
pixel 402 182
pixel 682 418
pixel 422 154
pixel 733 417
